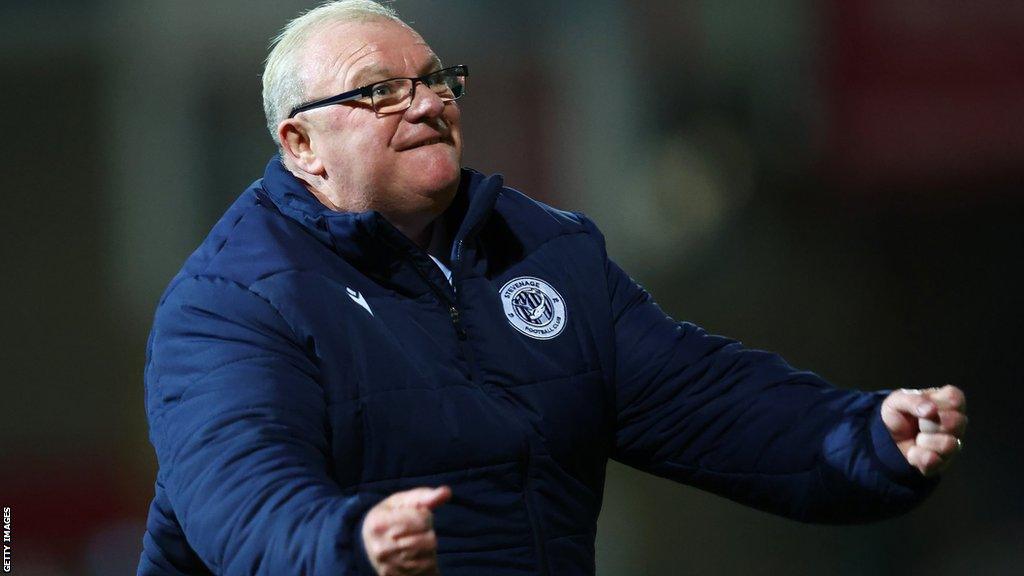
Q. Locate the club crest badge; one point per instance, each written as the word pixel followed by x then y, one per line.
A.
pixel 533 307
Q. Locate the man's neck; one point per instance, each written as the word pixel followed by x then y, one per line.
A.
pixel 432 238
pixel 421 236
pixel 422 231
pixel 439 244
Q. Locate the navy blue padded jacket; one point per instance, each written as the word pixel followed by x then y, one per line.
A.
pixel 305 364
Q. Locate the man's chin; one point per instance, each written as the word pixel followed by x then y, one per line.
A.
pixel 441 192
pixel 438 178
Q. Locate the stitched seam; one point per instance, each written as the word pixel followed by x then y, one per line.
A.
pixel 483 550
pixel 548 380
pixel 227 238
pixel 369 484
pixel 690 467
pixel 193 381
pixel 575 535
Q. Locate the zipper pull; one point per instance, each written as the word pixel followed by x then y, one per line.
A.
pixel 454 312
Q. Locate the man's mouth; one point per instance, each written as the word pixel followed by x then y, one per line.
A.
pixel 427 142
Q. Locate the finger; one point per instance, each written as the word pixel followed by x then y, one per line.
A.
pixel 949 422
pixel 404 561
pixel 429 498
pixel 418 566
pixel 392 551
pixel 926 461
pixel 441 495
pixel 902 407
pixel 377 521
pixel 952 422
pixel 407 498
pixel 405 521
pixel 944 445
pixel 419 545
pixel 381 550
pixel 382 522
pixel 948 397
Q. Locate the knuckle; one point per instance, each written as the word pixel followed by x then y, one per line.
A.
pixel 954 421
pixel 948 444
pixel 384 551
pixel 400 520
pixel 928 458
pixel 417 542
pixel 378 526
pixel 414 519
pixel 375 550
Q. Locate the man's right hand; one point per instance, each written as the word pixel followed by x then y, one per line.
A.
pixel 398 533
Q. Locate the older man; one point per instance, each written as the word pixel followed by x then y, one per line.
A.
pixel 379 362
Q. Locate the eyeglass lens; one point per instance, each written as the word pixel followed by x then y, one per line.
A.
pixel 396 95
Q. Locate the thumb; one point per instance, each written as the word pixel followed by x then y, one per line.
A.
pixel 902 408
pixel 429 498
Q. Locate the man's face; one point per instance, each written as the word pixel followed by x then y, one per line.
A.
pixel 404 164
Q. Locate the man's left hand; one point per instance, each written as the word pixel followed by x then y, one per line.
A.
pixel 927 425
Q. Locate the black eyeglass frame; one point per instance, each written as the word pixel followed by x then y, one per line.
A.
pixel 367 91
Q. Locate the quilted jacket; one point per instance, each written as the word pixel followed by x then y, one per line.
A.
pixel 305 364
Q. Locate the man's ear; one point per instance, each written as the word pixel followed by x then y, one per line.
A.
pixel 296 144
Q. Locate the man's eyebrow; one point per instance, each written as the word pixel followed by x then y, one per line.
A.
pixel 432 65
pixel 373 70
pixel 381 73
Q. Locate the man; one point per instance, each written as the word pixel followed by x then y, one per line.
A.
pixel 379 362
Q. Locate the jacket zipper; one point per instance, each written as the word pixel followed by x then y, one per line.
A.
pixel 467 350
pixel 460 330
pixel 538 540
pixel 453 312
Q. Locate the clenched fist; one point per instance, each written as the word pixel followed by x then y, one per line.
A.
pixel 927 425
pixel 398 533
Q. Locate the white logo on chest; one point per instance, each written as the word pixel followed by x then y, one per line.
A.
pixel 358 299
pixel 533 307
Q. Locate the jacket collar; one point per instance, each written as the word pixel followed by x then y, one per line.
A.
pixel 367 237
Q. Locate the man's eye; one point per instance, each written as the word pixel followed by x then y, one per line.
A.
pixel 382 90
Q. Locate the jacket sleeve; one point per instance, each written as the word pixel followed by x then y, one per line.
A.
pixel 239 424
pixel 741 423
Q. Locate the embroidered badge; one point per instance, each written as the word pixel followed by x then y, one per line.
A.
pixel 533 307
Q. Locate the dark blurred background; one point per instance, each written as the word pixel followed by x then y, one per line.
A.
pixel 840 181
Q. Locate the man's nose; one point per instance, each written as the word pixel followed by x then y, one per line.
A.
pixel 425 103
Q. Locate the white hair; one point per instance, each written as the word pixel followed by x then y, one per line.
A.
pixel 283 89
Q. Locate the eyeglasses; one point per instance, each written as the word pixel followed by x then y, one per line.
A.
pixel 396 94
